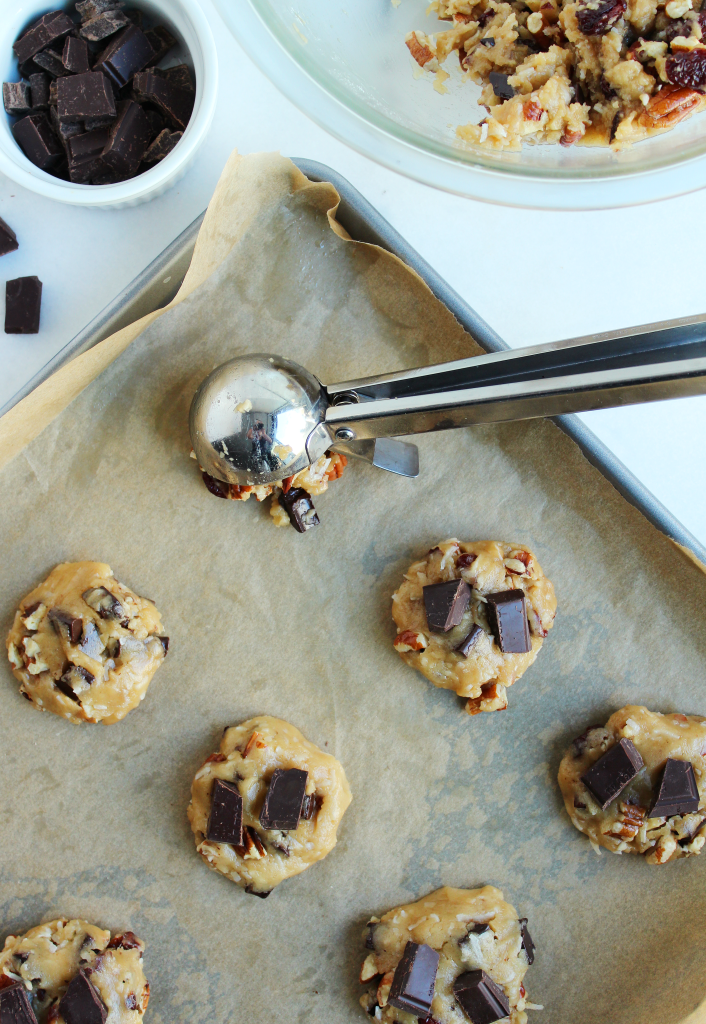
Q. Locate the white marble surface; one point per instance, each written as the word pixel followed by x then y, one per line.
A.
pixel 534 276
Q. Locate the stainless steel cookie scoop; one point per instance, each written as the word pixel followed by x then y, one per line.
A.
pixel 260 418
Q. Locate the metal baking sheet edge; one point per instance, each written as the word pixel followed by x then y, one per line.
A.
pixel 158 283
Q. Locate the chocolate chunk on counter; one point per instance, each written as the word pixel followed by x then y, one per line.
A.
pixel 129 138
pixel 611 773
pixel 81 1004
pixel 225 822
pixel 162 146
pixel 52 63
pixel 176 104
pixel 15 1007
pixel 527 943
pixel 501 87
pixel 16 98
pixel 84 96
pixel 678 792
pixel 299 506
pixel 39 83
pixel 48 29
pixel 469 642
pixel 8 239
pixel 161 41
pixel 445 604
pixel 507 618
pixel 126 54
pixel 413 983
pixel 75 56
pixel 23 300
pixel 95 30
pixel 283 803
pixel 482 1001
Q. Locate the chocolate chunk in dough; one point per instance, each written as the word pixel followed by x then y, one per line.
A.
pixel 91 643
pixel 129 138
pixel 52 63
pixel 501 86
pixel 16 98
pixel 469 642
pixel 611 773
pixel 127 53
pixel 445 604
pixel 15 1007
pixel 81 1004
pixel 507 618
pixel 39 83
pixel 75 56
pixel 299 506
pixel 84 96
pixel 103 602
pixel 225 822
pixel 23 300
pixel 482 1001
pixel 527 943
pixel 75 681
pixel 34 136
pixel 68 626
pixel 162 146
pixel 48 29
pixel 413 983
pixel 176 104
pixel 8 239
pixel 283 804
pixel 161 41
pixel 677 793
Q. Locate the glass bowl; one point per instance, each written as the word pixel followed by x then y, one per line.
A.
pixel 345 64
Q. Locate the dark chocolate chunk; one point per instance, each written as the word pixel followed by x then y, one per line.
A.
pixel 611 773
pixel 369 941
pixel 136 17
pixel 129 138
pixel 91 643
pixel 75 56
pixel 469 642
pixel 126 54
pixel 74 681
pixel 413 983
pixel 507 618
pixel 178 75
pixel 310 806
pixel 445 604
pixel 103 26
pixel 66 625
pixel 48 29
pixel 53 92
pixel 162 146
pixel 482 1001
pixel 15 1007
pixel 677 792
pixel 283 803
pixel 164 641
pixel 161 41
pixel 299 506
pixel 64 132
pixel 501 87
pixel 487 41
pixel 16 98
pixel 81 1004
pixel 88 144
pixel 37 141
pixel 176 104
pixel 92 8
pixel 52 63
pixel 8 239
pixel 527 943
pixel 39 84
pixel 225 822
pixel 85 96
pixel 103 602
pixel 253 892
pixel 157 123
pixel 23 300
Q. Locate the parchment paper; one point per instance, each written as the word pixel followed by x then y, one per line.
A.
pixel 269 621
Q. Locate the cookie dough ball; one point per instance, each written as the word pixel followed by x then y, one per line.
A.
pixel 280 808
pixel 70 964
pixel 661 812
pixel 84 646
pixel 481 656
pixel 477 936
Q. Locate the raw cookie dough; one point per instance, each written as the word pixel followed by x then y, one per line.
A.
pixel 249 755
pixel 486 673
pixel 472 929
pixel 624 826
pixel 84 646
pixel 47 958
pixel 593 72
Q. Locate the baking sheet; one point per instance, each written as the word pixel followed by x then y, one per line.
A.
pixel 265 620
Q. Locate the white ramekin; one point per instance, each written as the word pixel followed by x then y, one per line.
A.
pixel 189 24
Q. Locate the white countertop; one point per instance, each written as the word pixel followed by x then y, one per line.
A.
pixel 534 276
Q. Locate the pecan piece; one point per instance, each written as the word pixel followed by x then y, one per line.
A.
pixel 409 640
pixel 493 698
pixel 669 106
pixel 369 969
pixel 532 111
pixel 254 741
pixel 420 51
pixel 629 822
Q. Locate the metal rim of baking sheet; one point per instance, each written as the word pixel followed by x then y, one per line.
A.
pixel 158 283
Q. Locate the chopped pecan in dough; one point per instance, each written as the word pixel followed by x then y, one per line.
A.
pixel 625 826
pixel 249 755
pixel 488 567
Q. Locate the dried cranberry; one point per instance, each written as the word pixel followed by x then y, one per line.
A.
pixel 687 69
pixel 217 487
pixel 128 940
pixel 598 18
pixel 467 558
pixel 606 88
pixel 131 1001
pixel 678 27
